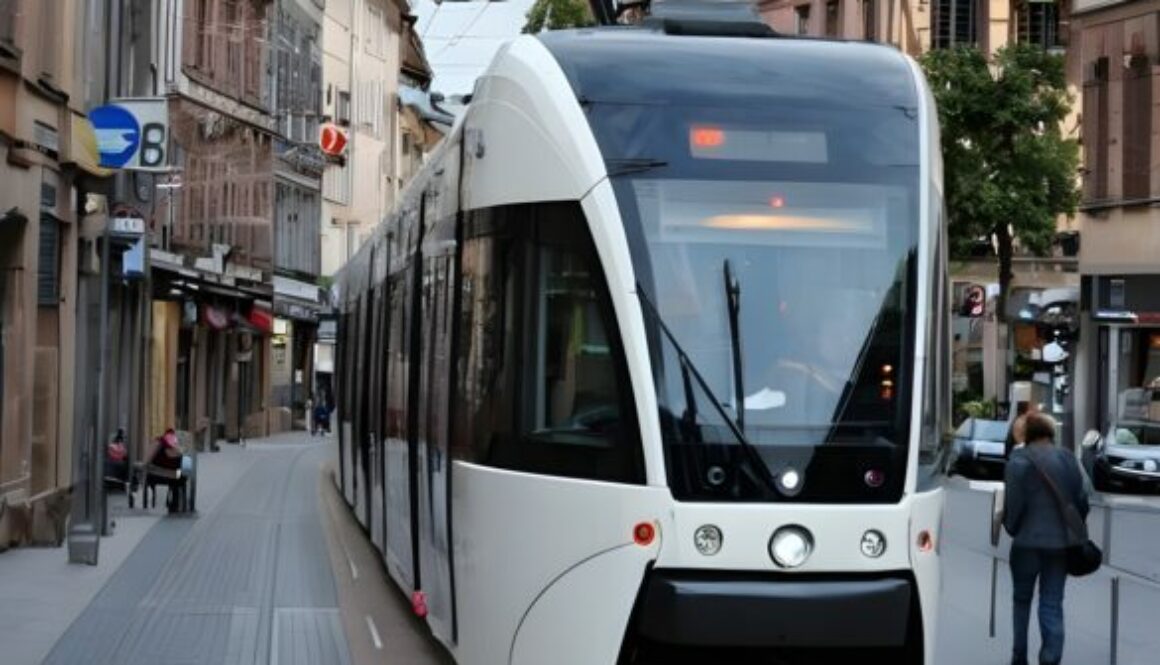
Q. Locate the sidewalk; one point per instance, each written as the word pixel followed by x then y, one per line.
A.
pixel 249 581
pixel 41 594
pixel 966 599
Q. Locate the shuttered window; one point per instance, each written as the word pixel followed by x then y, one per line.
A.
pixel 1137 127
pixel 8 21
pixel 1039 23
pixel 48 265
pixel 869 20
pixel 832 15
pixel 1095 130
pixel 955 23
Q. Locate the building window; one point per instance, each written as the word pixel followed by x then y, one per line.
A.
pixel 1039 23
pixel 956 23
pixel 374 31
pixel 1137 127
pixel 1095 130
pixel 8 21
pixel 802 19
pixel 48 263
pixel 202 34
pixel 342 109
pixel 869 20
pixel 833 16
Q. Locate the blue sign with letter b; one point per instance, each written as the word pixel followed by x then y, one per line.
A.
pixel 118 135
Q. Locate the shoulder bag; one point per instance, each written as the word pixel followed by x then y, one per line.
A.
pixel 1086 557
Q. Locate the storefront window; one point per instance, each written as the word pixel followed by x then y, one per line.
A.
pixel 1134 379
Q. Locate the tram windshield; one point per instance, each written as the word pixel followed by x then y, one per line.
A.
pixel 815 210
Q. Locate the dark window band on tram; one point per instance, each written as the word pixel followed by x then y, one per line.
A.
pixel 544 385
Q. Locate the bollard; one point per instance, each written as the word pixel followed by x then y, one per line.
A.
pixel 994 591
pixel 1115 636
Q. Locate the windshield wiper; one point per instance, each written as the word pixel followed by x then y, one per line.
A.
pixel 733 301
pixel 687 369
pixel 625 165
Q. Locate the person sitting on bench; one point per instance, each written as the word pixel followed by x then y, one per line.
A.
pixel 165 468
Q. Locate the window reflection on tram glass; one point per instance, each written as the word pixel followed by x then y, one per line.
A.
pixel 575 376
pixel 815 209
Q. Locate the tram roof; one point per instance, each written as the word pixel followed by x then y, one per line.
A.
pixel 644 65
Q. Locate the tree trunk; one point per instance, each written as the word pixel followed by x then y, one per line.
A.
pixel 1006 251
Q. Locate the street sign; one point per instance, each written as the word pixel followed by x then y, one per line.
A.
pixel 332 140
pixel 127 226
pixel 118 135
pixel 132 134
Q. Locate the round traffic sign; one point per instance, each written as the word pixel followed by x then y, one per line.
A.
pixel 118 135
pixel 332 140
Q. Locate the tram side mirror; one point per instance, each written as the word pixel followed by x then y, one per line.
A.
pixel 1091 440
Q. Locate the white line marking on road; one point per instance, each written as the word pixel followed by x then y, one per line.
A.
pixel 374 633
pixel 342 541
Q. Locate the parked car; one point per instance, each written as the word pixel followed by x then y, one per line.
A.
pixel 1127 457
pixel 980 448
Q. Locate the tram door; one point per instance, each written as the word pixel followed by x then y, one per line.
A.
pixel 400 432
pixel 434 407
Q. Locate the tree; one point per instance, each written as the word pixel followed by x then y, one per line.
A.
pixel 1009 171
pixel 558 15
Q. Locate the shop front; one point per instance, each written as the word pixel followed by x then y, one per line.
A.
pixel 1125 354
pixel 297 308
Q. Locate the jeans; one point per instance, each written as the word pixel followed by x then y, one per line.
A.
pixel 1050 567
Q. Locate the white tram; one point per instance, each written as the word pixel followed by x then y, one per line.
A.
pixel 650 362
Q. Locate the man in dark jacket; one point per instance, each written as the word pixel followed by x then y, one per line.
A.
pixel 1039 535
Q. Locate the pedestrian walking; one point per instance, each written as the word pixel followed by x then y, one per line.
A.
pixel 1040 477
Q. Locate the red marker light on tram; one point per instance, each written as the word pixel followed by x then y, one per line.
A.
pixel 925 541
pixel 707 137
pixel 776 202
pixel 643 534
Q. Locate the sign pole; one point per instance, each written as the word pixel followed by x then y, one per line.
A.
pixel 98 457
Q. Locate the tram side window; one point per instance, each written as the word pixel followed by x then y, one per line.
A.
pixel 936 393
pixel 544 385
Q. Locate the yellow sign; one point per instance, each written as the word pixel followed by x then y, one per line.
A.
pixel 83 147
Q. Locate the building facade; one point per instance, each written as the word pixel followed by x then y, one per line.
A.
pixel 42 170
pixel 917 26
pixel 298 167
pixel 361 72
pixel 214 259
pixel 1113 63
pixel 376 91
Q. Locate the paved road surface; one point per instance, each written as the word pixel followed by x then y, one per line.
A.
pixel 275 570
pixel 249 582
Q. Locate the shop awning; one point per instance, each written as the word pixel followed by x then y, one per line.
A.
pixel 261 319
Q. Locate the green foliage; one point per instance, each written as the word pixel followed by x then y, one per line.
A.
pixel 969 404
pixel 1007 163
pixel 558 15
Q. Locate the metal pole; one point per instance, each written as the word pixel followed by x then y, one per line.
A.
pixel 994 592
pixel 1115 636
pixel 97 458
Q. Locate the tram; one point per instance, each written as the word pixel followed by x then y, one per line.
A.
pixel 650 362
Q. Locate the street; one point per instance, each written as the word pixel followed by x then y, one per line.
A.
pixel 275 570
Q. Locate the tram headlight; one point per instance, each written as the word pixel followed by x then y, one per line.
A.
pixel 873 544
pixel 791 546
pixel 708 539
